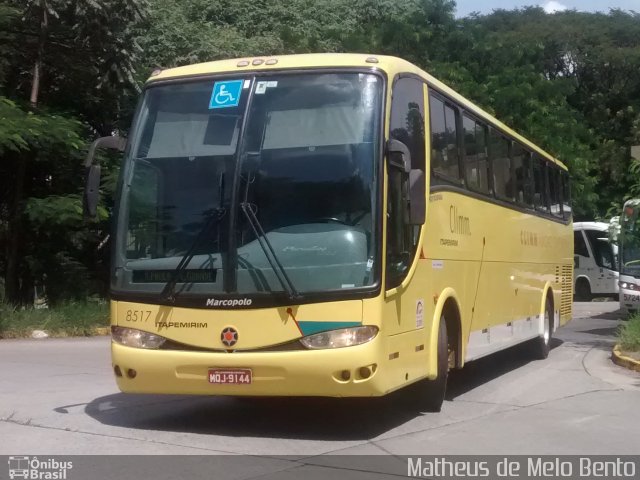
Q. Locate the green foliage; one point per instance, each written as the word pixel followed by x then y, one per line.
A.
pixel 22 130
pixel 85 53
pixel 587 62
pixel 87 50
pixel 67 319
pixel 629 334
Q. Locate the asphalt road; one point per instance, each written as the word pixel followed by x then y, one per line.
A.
pixel 57 397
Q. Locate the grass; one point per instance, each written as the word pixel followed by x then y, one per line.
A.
pixel 65 320
pixel 629 334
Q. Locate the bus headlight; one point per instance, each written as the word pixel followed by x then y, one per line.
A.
pixel 136 338
pixel 627 285
pixel 344 337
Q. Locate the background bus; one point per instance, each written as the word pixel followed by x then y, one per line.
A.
pixel 629 238
pixel 274 234
pixel 595 261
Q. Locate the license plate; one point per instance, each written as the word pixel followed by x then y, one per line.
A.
pixel 237 376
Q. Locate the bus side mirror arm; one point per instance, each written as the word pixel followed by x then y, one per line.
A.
pixel 92 173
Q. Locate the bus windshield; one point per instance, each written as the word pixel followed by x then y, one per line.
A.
pixel 629 239
pixel 299 152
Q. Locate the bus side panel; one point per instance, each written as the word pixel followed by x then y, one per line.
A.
pixel 499 260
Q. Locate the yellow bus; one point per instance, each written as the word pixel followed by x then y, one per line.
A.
pixel 327 225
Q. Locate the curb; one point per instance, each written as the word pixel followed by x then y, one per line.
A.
pixel 627 362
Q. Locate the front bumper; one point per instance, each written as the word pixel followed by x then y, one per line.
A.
pixel 292 373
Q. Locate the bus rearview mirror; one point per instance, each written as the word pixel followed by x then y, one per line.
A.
pixel 398 155
pixel 92 180
pixel 91 191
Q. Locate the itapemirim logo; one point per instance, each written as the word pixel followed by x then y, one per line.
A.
pixel 38 469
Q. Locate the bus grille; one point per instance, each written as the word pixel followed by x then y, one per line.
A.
pixel 564 280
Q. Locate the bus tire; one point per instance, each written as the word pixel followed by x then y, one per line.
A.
pixel 583 290
pixel 540 346
pixel 428 395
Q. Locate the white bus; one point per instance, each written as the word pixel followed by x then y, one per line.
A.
pixel 595 261
pixel 629 238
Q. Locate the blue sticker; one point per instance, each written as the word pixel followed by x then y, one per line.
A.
pixel 226 94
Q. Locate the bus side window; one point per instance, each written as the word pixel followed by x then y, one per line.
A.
pixel 483 157
pixel 566 195
pixel 522 175
pixel 475 155
pixel 601 248
pixel 554 191
pixel 579 245
pixel 539 185
pixel 407 126
pixel 501 164
pixel 444 142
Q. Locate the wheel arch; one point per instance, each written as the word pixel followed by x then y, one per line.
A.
pixel 581 278
pixel 447 305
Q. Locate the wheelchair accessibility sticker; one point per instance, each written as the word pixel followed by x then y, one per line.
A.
pixel 226 94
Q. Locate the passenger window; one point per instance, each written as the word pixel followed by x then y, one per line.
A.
pixel 522 175
pixel 407 125
pixel 566 195
pixel 554 192
pixel 444 146
pixel 579 245
pixel 539 184
pixel 499 151
pixel 483 157
pixel 475 160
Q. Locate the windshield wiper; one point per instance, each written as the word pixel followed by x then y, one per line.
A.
pixel 168 291
pixel 269 252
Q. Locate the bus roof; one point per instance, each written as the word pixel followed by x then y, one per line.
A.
pixel 388 64
pixel 601 226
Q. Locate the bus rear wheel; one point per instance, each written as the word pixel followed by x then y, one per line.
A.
pixel 541 345
pixel 428 395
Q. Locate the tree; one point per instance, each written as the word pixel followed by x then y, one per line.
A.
pixel 72 57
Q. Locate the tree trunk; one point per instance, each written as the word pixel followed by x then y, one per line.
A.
pixel 14 234
pixel 35 84
pixel 13 284
pixel 37 67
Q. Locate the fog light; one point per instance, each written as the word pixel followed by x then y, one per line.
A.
pixel 117 371
pixel 131 373
pixel 346 375
pixel 365 372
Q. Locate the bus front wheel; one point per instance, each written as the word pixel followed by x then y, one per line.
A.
pixel 540 346
pixel 428 395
